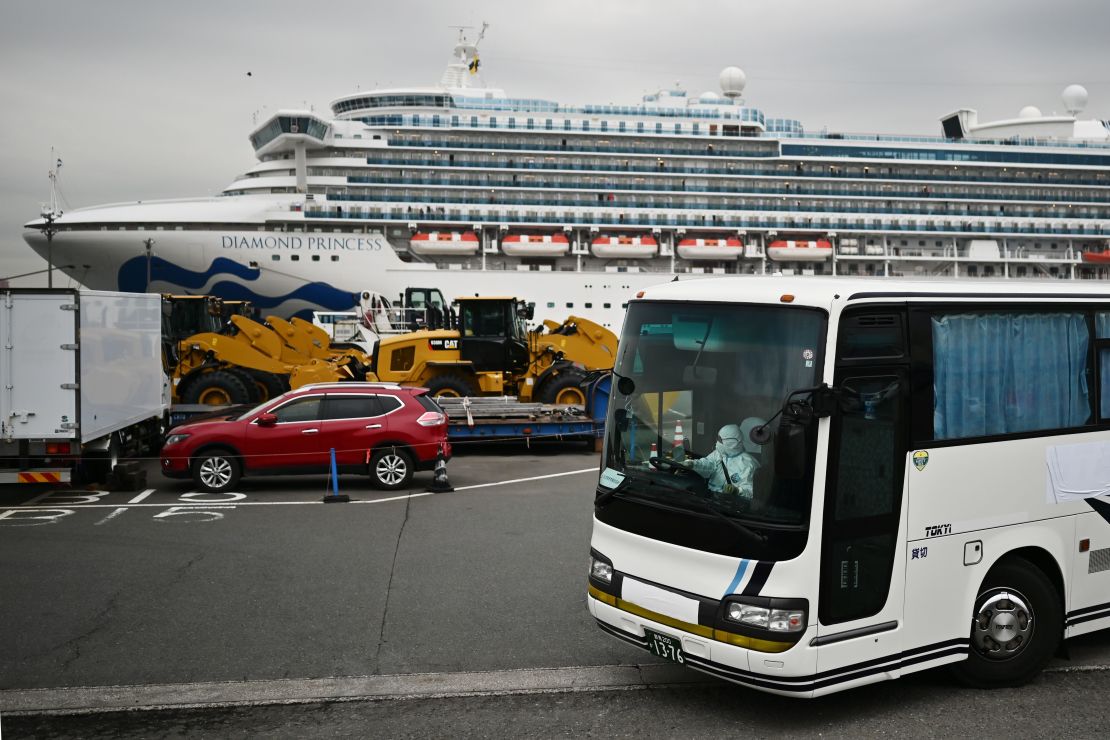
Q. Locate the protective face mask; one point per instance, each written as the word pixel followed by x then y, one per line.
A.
pixel 729 447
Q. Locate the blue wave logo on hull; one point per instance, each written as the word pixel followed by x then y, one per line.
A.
pixel 132 278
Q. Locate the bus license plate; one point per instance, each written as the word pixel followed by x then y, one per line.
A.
pixel 664 646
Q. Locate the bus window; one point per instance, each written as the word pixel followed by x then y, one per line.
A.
pixel 1001 373
pixel 704 377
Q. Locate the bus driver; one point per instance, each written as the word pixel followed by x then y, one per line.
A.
pixel 729 468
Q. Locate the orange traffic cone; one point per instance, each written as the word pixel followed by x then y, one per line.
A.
pixel 678 452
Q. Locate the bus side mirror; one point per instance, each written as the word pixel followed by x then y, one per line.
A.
pixel 790 449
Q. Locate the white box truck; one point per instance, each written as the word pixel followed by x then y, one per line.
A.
pixel 81 382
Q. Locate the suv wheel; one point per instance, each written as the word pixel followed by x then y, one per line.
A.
pixel 216 471
pixel 391 468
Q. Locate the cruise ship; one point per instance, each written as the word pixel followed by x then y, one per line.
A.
pixel 461 187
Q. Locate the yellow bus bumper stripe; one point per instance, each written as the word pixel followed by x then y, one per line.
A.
pixel 730 638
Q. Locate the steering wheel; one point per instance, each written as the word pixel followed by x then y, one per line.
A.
pixel 664 463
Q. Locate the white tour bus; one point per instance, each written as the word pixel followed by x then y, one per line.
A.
pixel 874 478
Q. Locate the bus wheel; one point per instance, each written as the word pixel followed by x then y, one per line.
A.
pixel 1015 628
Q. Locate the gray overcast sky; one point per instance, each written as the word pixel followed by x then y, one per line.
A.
pixel 147 99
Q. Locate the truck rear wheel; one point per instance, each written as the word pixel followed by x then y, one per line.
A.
pixel 564 389
pixel 217 388
pixel 450 386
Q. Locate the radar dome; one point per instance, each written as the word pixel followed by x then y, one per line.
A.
pixel 709 97
pixel 1029 111
pixel 1075 99
pixel 733 80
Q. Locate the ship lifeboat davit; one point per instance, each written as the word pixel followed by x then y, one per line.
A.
pixel 711 249
pixel 535 245
pixel 444 242
pixel 799 251
pixel 624 247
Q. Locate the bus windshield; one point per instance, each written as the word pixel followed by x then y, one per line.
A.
pixel 704 376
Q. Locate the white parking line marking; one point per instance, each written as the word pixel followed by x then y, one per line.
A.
pixel 316 502
pixel 113 515
pixel 141 496
pixel 40 497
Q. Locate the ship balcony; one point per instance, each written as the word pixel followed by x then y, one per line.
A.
pixel 744 168
pixel 676 185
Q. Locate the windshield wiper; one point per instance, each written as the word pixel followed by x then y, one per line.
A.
pixel 604 498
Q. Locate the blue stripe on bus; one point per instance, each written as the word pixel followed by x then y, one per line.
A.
pixel 737 578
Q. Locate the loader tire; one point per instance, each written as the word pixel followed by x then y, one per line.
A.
pixel 269 385
pixel 217 388
pixel 254 393
pixel 565 388
pixel 451 386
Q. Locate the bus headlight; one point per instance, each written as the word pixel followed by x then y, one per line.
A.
pixel 600 570
pixel 766 617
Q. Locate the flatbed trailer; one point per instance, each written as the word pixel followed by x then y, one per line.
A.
pixel 491 418
pixel 505 418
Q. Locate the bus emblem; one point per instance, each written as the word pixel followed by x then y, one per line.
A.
pixel 920 459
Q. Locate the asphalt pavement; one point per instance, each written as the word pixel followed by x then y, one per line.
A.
pixel 470 605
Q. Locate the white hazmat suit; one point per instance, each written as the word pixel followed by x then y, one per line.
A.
pixel 730 467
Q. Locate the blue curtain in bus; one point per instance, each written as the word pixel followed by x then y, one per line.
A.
pixel 1102 331
pixel 999 373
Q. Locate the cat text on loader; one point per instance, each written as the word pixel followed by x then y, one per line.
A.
pixel 243 361
pixel 491 352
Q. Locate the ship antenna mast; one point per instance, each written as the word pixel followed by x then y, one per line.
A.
pixel 49 214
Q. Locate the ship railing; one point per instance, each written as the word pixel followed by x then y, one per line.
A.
pixel 670 185
pixel 518 199
pixel 719 223
pixel 675 170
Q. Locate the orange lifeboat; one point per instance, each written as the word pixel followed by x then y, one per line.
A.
pixel 799 251
pixel 711 249
pixel 1098 258
pixel 444 242
pixel 535 245
pixel 624 247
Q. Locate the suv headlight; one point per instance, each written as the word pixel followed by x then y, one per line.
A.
pixel 766 616
pixel 175 438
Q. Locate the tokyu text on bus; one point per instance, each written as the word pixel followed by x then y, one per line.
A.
pixel 809 485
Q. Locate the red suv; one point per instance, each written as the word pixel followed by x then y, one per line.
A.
pixel 377 428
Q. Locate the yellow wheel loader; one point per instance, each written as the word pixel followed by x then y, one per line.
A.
pixel 240 362
pixel 490 351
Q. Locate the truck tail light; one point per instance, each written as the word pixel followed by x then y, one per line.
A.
pixel 431 419
pixel 57 448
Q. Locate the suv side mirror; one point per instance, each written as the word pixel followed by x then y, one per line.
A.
pixel 267 420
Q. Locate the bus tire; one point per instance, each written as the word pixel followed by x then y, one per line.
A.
pixel 450 386
pixel 1016 626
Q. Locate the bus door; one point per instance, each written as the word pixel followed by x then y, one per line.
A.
pixel 862 581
